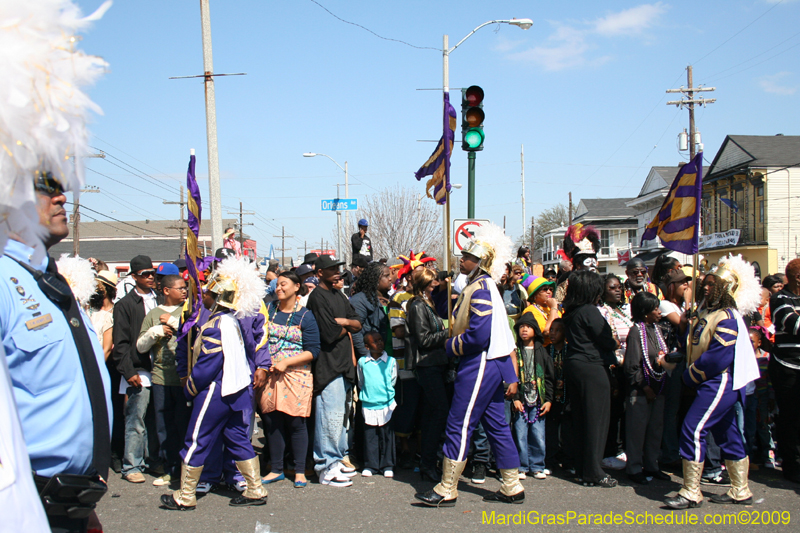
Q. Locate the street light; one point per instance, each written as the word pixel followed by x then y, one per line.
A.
pixel 446 50
pixel 338 213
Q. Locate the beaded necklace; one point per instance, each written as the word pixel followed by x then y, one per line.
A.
pixel 649 371
pixel 558 363
pixel 288 324
pixel 521 362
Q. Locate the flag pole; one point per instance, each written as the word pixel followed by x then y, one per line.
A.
pixel 448 253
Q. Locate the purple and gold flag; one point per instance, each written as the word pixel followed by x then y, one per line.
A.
pixel 677 223
pixel 438 164
pixel 192 252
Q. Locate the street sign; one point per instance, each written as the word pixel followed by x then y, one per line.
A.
pixel 340 204
pixel 463 231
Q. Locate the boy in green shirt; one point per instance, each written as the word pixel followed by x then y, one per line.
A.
pixel 159 337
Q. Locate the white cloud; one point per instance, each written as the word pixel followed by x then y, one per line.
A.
pixel 571 46
pixel 630 21
pixel 771 84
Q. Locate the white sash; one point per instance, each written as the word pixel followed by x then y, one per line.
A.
pixel 235 370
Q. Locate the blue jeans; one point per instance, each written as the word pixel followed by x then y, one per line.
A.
pixel 172 418
pixel 331 419
pixel 135 431
pixel 529 438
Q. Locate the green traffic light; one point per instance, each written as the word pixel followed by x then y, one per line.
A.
pixel 474 137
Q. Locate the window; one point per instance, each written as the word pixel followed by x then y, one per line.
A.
pixel 604 241
pixel 632 237
pixel 761 211
pixel 760 190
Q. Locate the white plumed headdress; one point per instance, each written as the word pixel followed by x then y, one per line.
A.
pixel 740 280
pixel 238 285
pixel 79 275
pixel 42 108
pixel 494 249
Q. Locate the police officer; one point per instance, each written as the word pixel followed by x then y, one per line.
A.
pixel 57 371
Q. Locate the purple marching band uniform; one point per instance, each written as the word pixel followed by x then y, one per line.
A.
pixel 219 381
pixel 711 352
pixel 482 340
pixel 254 335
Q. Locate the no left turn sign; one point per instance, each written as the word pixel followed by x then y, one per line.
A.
pixel 463 231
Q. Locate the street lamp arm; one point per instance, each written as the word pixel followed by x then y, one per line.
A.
pixel 522 23
pixel 312 154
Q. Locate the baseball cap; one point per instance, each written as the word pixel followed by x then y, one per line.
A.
pixel 165 269
pixel 304 269
pixel 676 276
pixel 224 253
pixel 326 261
pixel 141 262
pixel 363 222
pixel 180 263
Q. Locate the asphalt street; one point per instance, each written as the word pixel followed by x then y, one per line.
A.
pixel 378 504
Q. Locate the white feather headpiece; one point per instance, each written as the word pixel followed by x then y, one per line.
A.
pixel 740 279
pixel 42 108
pixel 250 288
pixel 493 247
pixel 79 275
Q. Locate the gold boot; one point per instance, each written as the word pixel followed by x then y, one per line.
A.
pixel 739 492
pixel 445 493
pixel 255 493
pixel 689 495
pixel 511 491
pixel 184 498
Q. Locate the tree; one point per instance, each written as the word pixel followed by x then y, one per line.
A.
pixel 549 219
pixel 400 219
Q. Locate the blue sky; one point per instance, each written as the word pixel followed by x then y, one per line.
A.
pixel 583 90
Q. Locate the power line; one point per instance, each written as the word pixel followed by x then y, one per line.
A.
pixel 122 221
pixel 738 32
pixel 125 184
pixel 372 32
pixel 755 56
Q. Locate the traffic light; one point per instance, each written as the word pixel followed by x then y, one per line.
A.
pixel 472 119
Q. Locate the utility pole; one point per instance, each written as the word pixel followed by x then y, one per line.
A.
pixel 242 224
pixel 522 159
pixel 283 247
pixel 570 209
pixel 305 247
pixel 532 234
pixel 76 219
pixel 181 226
pixel 689 101
pixel 339 249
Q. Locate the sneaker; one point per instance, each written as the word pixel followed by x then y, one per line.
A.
pixel 388 473
pixel 547 472
pixel 162 481
pixel 203 487
pixel 523 475
pixel 334 478
pixel 613 463
pixel 346 467
pixel 345 471
pixel 366 473
pixel 347 464
pixel 721 479
pixel 539 475
pixel 241 486
pixel 134 477
pixel 479 473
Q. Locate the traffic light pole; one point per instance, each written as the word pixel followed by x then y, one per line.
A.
pixel 471 185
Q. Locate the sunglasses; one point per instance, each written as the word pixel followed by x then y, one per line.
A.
pixel 146 273
pixel 45 184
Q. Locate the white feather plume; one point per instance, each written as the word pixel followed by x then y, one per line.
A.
pixel 43 110
pixel 80 276
pixel 250 288
pixel 748 293
pixel 502 245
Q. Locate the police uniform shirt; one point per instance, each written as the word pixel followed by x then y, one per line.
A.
pixel 45 370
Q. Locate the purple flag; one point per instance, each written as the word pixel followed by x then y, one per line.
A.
pixel 438 164
pixel 192 252
pixel 677 223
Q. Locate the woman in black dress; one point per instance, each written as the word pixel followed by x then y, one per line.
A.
pixel 590 353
